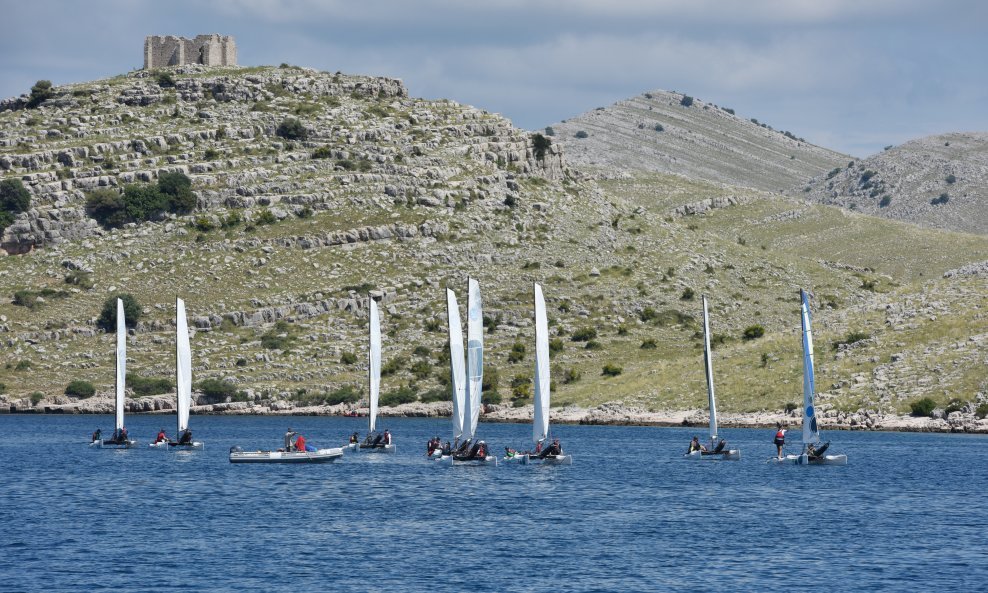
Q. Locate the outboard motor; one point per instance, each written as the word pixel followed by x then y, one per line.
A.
pixel 236 449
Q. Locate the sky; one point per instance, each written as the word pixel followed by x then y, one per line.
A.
pixel 851 75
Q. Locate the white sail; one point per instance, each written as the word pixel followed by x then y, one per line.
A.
pixel 457 370
pixel 183 367
pixel 121 364
pixel 374 358
pixel 475 360
pixel 810 432
pixel 540 421
pixel 708 366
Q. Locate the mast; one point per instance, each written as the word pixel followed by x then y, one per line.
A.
pixel 457 372
pixel 183 367
pixel 475 359
pixel 540 418
pixel 708 366
pixel 374 361
pixel 810 432
pixel 121 382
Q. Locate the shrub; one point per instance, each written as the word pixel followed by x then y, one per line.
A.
pixel 40 92
pixel 540 144
pixel 687 295
pixel 611 370
pixel 584 334
pixel 393 366
pixel 510 201
pixel 165 80
pixel 593 345
pixel 348 394
pixel 436 395
pixel 954 405
pixel 3 388
pixel 108 316
pixel 571 375
pixel 521 388
pixel 80 388
pixel 648 314
pixel 753 332
pixel 581 135
pixel 649 344
pixel 211 154
pixel 885 201
pixel 951 179
pixel 23 365
pixel 279 337
pixel 492 379
pixel 491 398
pixel 851 338
pixel 549 131
pixel 323 152
pixel 491 323
pixel 659 128
pixel 555 346
pixel 421 369
pixel 348 358
pixel 14 197
pixel 405 394
pixel 148 386
pixel 517 353
pixel 265 217
pixel 292 129
pixel 177 188
pixel 107 207
pixel 686 101
pixel 981 412
pixel 942 199
pixel 36 398
pixel 922 407
pixel 422 351
pixel 790 406
pixel 216 389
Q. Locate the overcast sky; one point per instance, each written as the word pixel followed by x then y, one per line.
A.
pixel 851 75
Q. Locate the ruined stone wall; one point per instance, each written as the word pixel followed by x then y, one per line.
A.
pixel 208 50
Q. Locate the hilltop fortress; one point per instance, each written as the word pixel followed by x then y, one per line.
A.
pixel 208 50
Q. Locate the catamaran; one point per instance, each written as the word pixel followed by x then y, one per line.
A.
pixel 238 455
pixel 472 451
pixel 120 439
pixel 183 385
pixel 457 372
pixel 546 453
pixel 718 449
pixel 812 454
pixel 375 443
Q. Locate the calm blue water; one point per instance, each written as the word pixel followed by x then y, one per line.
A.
pixel 908 514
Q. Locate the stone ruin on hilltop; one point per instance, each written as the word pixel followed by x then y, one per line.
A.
pixel 208 50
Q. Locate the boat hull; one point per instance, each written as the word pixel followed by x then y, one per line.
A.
pixel 392 448
pixel 548 460
pixel 167 446
pixel 727 455
pixel 805 460
pixel 320 456
pixel 489 460
pixel 101 444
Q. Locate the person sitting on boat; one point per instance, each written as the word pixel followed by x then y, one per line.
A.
pixel 510 453
pixel 300 443
pixel 481 450
pixel 695 445
pixel 162 437
pixel 538 446
pixel 463 448
pixel 552 450
pixel 354 439
pixel 288 439
pixel 780 438
pixel 431 446
pixel 97 435
pixel 186 438
pixel 387 437
pixel 720 446
pixel 447 448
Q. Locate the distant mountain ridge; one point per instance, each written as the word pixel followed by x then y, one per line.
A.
pixel 938 181
pixel 669 132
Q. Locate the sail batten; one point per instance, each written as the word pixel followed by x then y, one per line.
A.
pixel 457 370
pixel 708 367
pixel 475 360
pixel 540 421
pixel 183 367
pixel 121 380
pixel 811 433
pixel 374 362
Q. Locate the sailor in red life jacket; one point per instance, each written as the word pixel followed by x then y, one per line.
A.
pixel 780 438
pixel 161 438
pixel 387 437
pixel 300 443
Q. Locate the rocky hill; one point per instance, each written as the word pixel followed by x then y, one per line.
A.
pixel 391 197
pixel 669 132
pixel 938 181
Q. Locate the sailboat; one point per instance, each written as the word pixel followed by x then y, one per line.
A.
pixel 547 454
pixel 715 451
pixel 375 443
pixel 812 454
pixel 120 439
pixel 183 385
pixel 476 452
pixel 457 371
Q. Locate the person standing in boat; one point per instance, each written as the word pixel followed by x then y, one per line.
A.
pixel 780 438
pixel 288 439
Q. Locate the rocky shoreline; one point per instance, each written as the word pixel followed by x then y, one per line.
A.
pixel 611 413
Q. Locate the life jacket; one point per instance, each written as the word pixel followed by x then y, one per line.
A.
pixel 781 435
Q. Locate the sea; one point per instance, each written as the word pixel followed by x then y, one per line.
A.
pixel 908 513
